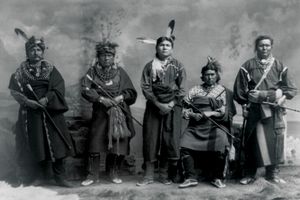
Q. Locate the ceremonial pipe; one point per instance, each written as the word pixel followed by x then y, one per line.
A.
pixel 49 117
pixel 111 98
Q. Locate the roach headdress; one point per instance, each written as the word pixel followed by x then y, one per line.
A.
pixel 106 47
pixel 212 64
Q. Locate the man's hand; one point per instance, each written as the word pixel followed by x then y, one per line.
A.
pixel 119 99
pixel 187 113
pixel 210 113
pixel 196 116
pixel 257 96
pixel 106 102
pixel 32 104
pixel 281 100
pixel 165 107
pixel 278 93
pixel 171 104
pixel 43 101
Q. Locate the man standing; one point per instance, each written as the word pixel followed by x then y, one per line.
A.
pixel 41 131
pixel 108 87
pixel 263 80
pixel 162 84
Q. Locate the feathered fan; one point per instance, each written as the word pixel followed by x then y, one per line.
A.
pixel 21 33
pixel 169 33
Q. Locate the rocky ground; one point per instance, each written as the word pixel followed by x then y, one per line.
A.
pixel 259 190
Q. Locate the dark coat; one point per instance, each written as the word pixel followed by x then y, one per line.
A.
pixel 36 138
pixel 264 133
pixel 161 133
pixel 98 135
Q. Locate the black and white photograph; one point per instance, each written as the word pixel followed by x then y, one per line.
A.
pixel 149 99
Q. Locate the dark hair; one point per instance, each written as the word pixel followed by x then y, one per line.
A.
pixel 262 37
pixel 212 65
pixel 165 38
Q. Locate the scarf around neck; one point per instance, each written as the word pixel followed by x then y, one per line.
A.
pixel 159 67
pixel 265 63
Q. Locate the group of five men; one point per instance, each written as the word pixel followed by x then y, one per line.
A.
pixel 42 135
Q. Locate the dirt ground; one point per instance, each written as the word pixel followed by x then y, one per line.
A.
pixel 259 190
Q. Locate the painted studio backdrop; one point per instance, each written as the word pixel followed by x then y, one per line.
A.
pixel 222 29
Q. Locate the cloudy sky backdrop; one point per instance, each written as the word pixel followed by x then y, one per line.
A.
pixel 222 29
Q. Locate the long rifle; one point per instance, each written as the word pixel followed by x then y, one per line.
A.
pixel 111 98
pixel 276 105
pixel 50 118
pixel 213 121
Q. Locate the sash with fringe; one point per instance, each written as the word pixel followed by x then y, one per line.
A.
pixel 117 126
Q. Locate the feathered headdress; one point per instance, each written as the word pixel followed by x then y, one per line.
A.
pixel 32 41
pixel 169 34
pixel 107 26
pixel 106 47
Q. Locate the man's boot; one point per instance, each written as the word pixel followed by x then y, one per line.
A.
pixel 113 168
pixel 93 170
pixel 272 172
pixel 149 175
pixel 59 174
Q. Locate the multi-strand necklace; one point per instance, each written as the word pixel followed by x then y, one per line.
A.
pixel 36 72
pixel 105 75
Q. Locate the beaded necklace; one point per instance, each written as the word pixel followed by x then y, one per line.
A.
pixel 29 72
pixel 105 75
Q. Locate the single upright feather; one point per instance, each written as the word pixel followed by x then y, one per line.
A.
pixel 169 34
pixel 21 33
pixel 170 28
